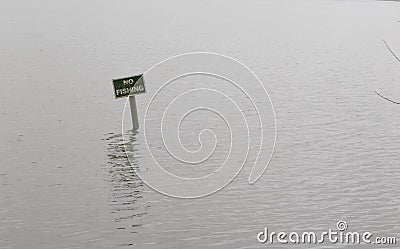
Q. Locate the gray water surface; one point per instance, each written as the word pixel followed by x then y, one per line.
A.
pixel 65 181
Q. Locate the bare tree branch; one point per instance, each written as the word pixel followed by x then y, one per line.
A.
pixel 383 97
pixel 391 51
pixel 398 59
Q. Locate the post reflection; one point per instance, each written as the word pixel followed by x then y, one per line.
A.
pixel 127 187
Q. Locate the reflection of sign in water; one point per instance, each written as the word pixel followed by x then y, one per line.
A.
pixel 129 86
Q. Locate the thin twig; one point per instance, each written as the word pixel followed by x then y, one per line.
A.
pixel 398 59
pixel 391 51
pixel 397 103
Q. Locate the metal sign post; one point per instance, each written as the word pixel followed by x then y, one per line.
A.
pixel 134 112
pixel 129 87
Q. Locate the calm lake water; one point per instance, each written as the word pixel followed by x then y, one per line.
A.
pixel 65 181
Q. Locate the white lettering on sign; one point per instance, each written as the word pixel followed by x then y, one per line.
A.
pixel 137 88
pixel 128 82
pixel 133 90
pixel 129 86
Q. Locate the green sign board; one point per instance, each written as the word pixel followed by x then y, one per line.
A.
pixel 129 86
